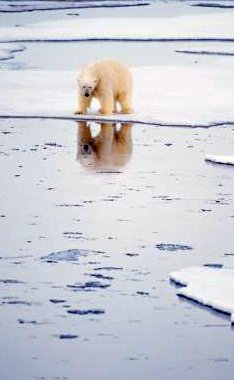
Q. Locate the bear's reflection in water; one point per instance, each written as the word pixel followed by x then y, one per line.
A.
pixel 107 150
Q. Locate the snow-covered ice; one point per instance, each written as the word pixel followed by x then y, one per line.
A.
pixel 185 27
pixel 220 159
pixel 162 95
pixel 209 286
pixel 192 94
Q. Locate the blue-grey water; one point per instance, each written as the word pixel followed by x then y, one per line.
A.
pixel 86 252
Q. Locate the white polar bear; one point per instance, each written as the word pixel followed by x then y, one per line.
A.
pixel 110 82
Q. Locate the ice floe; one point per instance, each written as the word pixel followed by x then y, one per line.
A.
pixel 213 4
pixel 209 286
pixel 7 50
pixel 163 95
pixel 220 159
pixel 213 26
pixel 10 6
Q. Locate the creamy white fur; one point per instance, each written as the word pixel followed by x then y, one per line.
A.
pixel 110 82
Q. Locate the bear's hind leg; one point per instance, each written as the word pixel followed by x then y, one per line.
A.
pixel 125 102
pixel 107 104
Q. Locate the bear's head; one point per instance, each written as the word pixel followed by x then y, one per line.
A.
pixel 87 85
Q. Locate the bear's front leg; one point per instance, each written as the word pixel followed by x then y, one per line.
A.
pixel 83 104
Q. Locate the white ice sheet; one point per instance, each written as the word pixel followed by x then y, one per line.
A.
pixel 169 95
pixel 220 159
pixel 207 26
pixel 213 287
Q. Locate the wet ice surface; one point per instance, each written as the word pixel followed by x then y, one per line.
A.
pixel 105 298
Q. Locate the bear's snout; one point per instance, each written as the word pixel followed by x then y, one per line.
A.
pixel 86 149
pixel 87 94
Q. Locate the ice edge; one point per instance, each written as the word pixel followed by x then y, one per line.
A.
pixel 185 293
pixel 115 119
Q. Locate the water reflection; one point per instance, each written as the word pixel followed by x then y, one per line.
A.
pixel 107 150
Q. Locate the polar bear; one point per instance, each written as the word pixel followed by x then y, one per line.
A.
pixel 110 149
pixel 110 82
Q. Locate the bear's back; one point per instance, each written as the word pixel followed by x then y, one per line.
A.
pixel 118 73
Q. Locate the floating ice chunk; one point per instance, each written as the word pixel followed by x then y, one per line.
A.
pixel 209 286
pixel 220 159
